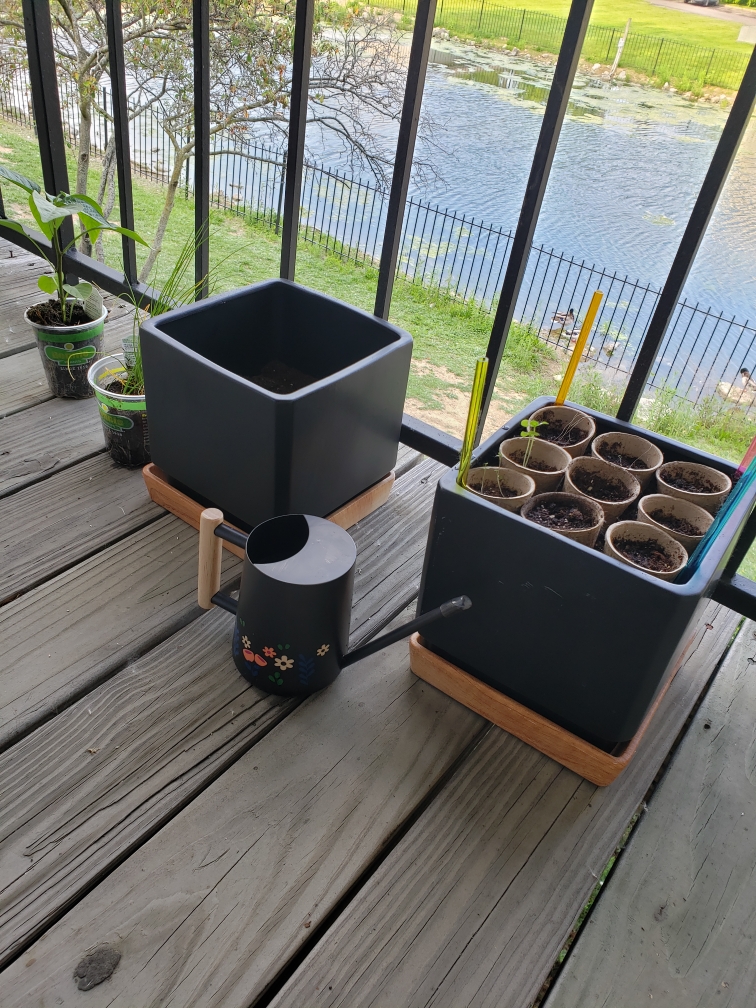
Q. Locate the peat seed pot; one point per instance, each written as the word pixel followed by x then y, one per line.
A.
pixel 630 452
pixel 568 428
pixel 614 488
pixel 124 417
pixel 546 466
pixel 690 481
pixel 626 540
pixel 504 487
pixel 560 511
pixel 673 513
pixel 67 352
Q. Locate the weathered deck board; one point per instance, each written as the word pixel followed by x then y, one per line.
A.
pixel 18 276
pixel 163 728
pixel 675 922
pixel 41 440
pixel 209 909
pixel 22 376
pixel 475 902
pixel 54 524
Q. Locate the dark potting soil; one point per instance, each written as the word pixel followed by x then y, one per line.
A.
pixel 48 314
pixel 692 484
pixel 600 487
pixel 560 516
pixel 491 488
pixel 646 553
pixel 681 525
pixel 563 433
pixel 279 377
pixel 532 464
pixel 613 453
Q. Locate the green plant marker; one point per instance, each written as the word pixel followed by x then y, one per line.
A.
pixel 476 398
pixel 530 432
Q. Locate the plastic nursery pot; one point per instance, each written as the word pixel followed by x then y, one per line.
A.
pixel 597 479
pixel 673 511
pixel 504 487
pixel 67 352
pixel 569 428
pixel 632 532
pixel 124 417
pixel 274 399
pixel 712 486
pixel 552 459
pixel 630 452
pixel 537 510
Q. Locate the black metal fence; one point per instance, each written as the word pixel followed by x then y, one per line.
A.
pixel 461 257
pixel 661 58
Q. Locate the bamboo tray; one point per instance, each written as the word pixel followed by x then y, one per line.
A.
pixel 189 510
pixel 575 753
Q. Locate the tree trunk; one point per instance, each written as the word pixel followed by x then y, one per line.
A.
pixel 165 214
pixel 106 195
pixel 85 148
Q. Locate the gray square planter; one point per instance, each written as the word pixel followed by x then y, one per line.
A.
pixel 256 453
pixel 563 629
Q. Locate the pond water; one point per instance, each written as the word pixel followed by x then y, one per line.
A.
pixel 627 170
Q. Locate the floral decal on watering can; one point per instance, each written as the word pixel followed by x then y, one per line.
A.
pixel 282 662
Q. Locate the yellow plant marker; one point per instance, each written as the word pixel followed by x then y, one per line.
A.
pixel 476 398
pixel 577 353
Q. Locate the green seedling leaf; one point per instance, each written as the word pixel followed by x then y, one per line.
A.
pixel 47 210
pixel 19 180
pixel 47 285
pixel 13 225
pixel 131 234
pixel 80 291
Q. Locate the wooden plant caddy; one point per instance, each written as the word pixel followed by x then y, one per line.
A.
pixel 189 510
pixel 576 754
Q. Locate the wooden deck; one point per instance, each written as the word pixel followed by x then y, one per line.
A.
pixel 375 845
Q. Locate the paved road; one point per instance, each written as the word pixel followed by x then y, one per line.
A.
pixel 728 12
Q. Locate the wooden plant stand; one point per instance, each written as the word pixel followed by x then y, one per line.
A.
pixel 576 754
pixel 189 510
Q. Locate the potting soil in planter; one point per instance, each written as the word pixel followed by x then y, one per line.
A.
pixel 599 487
pixel 519 458
pixel 670 521
pixel 66 356
pixel 562 434
pixel 645 553
pixel 279 377
pixel 560 516
pixel 691 484
pixel 613 453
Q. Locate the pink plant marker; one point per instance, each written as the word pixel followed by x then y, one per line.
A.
pixel 749 455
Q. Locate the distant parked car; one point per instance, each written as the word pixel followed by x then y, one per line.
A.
pixel 703 3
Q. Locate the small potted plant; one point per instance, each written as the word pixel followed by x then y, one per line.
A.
pixel 544 462
pixel 684 521
pixel 503 487
pixel 694 482
pixel 649 549
pixel 578 518
pixel 70 324
pixel 569 428
pixel 630 452
pixel 614 488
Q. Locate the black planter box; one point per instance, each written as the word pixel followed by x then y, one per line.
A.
pixel 564 629
pixel 256 453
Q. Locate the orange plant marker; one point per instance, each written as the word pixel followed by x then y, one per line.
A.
pixel 577 353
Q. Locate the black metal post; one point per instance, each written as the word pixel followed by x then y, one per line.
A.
pixel 46 102
pixel 717 173
pixel 405 149
pixel 117 67
pixel 300 84
pixel 556 107
pixel 201 52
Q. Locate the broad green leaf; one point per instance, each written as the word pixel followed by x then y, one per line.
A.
pixel 48 211
pixel 80 291
pixel 91 226
pixel 44 227
pixel 47 285
pixel 13 225
pixel 131 234
pixel 83 205
pixel 19 180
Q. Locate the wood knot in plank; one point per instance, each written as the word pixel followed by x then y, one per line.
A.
pixel 96 967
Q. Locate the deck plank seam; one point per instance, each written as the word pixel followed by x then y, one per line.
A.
pixel 47 473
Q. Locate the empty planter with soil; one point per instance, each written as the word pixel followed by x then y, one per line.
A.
pixel 546 465
pixel 578 518
pixel 684 521
pixel 614 488
pixel 566 427
pixel 699 484
pixel 504 487
pixel 628 451
pixel 649 549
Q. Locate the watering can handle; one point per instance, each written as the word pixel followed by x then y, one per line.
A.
pixel 210 557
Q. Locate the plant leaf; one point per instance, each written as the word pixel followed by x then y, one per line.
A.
pixel 131 234
pixel 47 285
pixel 13 225
pixel 44 227
pixel 19 180
pixel 80 290
pixel 47 210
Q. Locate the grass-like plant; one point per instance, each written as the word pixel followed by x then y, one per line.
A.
pixel 530 432
pixel 49 213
